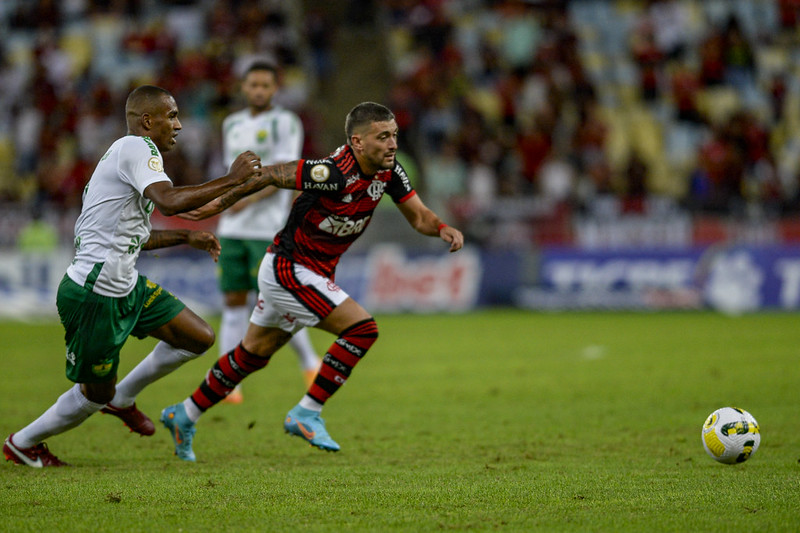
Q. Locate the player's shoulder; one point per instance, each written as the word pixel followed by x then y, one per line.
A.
pixel 344 159
pixel 236 116
pixel 285 115
pixel 136 145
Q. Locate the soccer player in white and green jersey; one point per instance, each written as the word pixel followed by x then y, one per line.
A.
pixel 246 229
pixel 102 299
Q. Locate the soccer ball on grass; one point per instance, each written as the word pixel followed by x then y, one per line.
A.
pixel 731 435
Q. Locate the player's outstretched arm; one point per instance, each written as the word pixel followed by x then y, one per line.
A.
pixel 202 240
pixel 172 200
pixel 282 176
pixel 426 222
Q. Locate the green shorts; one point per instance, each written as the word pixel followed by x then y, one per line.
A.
pixel 96 327
pixel 239 262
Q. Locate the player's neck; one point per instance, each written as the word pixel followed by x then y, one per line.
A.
pixel 257 110
pixel 364 166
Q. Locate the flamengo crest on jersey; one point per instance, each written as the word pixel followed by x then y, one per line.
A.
pixel 335 208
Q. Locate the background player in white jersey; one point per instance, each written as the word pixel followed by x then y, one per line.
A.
pixel 246 229
pixel 102 299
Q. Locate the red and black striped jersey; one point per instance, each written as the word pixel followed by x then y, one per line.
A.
pixel 335 207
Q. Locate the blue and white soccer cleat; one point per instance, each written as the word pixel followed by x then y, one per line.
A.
pixel 181 428
pixel 308 424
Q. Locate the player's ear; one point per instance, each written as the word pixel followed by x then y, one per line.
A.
pixel 146 120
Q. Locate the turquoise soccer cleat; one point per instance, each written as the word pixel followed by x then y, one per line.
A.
pixel 181 428
pixel 307 424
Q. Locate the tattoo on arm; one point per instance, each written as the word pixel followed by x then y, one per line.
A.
pixel 166 238
pixel 281 176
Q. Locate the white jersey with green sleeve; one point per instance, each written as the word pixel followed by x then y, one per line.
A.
pixel 115 218
pixel 276 136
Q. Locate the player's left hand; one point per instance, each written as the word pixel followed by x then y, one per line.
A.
pixel 204 240
pixel 453 236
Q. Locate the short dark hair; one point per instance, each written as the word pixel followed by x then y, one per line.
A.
pixel 143 99
pixel 363 114
pixel 261 66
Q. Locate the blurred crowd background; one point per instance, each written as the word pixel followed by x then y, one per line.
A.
pixel 588 122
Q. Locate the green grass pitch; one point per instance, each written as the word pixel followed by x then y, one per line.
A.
pixel 494 420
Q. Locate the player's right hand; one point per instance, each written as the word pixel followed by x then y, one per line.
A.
pixel 244 166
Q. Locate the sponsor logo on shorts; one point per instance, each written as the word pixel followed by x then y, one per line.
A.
pixel 333 287
pixel 153 296
pixel 103 368
pixel 71 358
pixel 290 318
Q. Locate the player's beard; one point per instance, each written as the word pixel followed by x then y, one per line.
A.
pixel 390 165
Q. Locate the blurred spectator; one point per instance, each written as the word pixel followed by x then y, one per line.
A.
pixel 445 177
pixel 38 235
pixel 523 99
pixel 635 189
pixel 649 58
pixel 738 57
pixel 685 93
pixel 712 59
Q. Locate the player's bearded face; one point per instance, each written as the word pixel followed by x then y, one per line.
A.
pixel 379 145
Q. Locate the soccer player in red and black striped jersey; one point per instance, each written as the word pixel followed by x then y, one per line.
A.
pixel 296 279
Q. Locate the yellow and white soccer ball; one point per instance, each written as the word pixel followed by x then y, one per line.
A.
pixel 731 435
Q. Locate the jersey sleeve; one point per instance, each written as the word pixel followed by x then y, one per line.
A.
pixel 319 175
pixel 140 164
pixel 399 187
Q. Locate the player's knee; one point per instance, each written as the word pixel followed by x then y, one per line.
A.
pixel 202 339
pixel 363 333
pixel 374 326
pixel 101 393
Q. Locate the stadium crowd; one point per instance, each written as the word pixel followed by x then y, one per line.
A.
pixel 524 113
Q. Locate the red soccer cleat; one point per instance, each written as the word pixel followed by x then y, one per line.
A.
pixel 137 421
pixel 36 456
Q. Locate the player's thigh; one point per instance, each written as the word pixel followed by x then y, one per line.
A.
pixel 292 297
pixel 166 318
pixel 343 316
pixel 186 331
pixel 95 329
pixel 264 341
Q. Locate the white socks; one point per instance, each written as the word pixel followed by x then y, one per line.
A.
pixel 158 363
pixel 192 411
pixel 307 402
pixel 301 343
pixel 69 411
pixel 232 327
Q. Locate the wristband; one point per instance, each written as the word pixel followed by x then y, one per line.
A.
pixel 439 229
